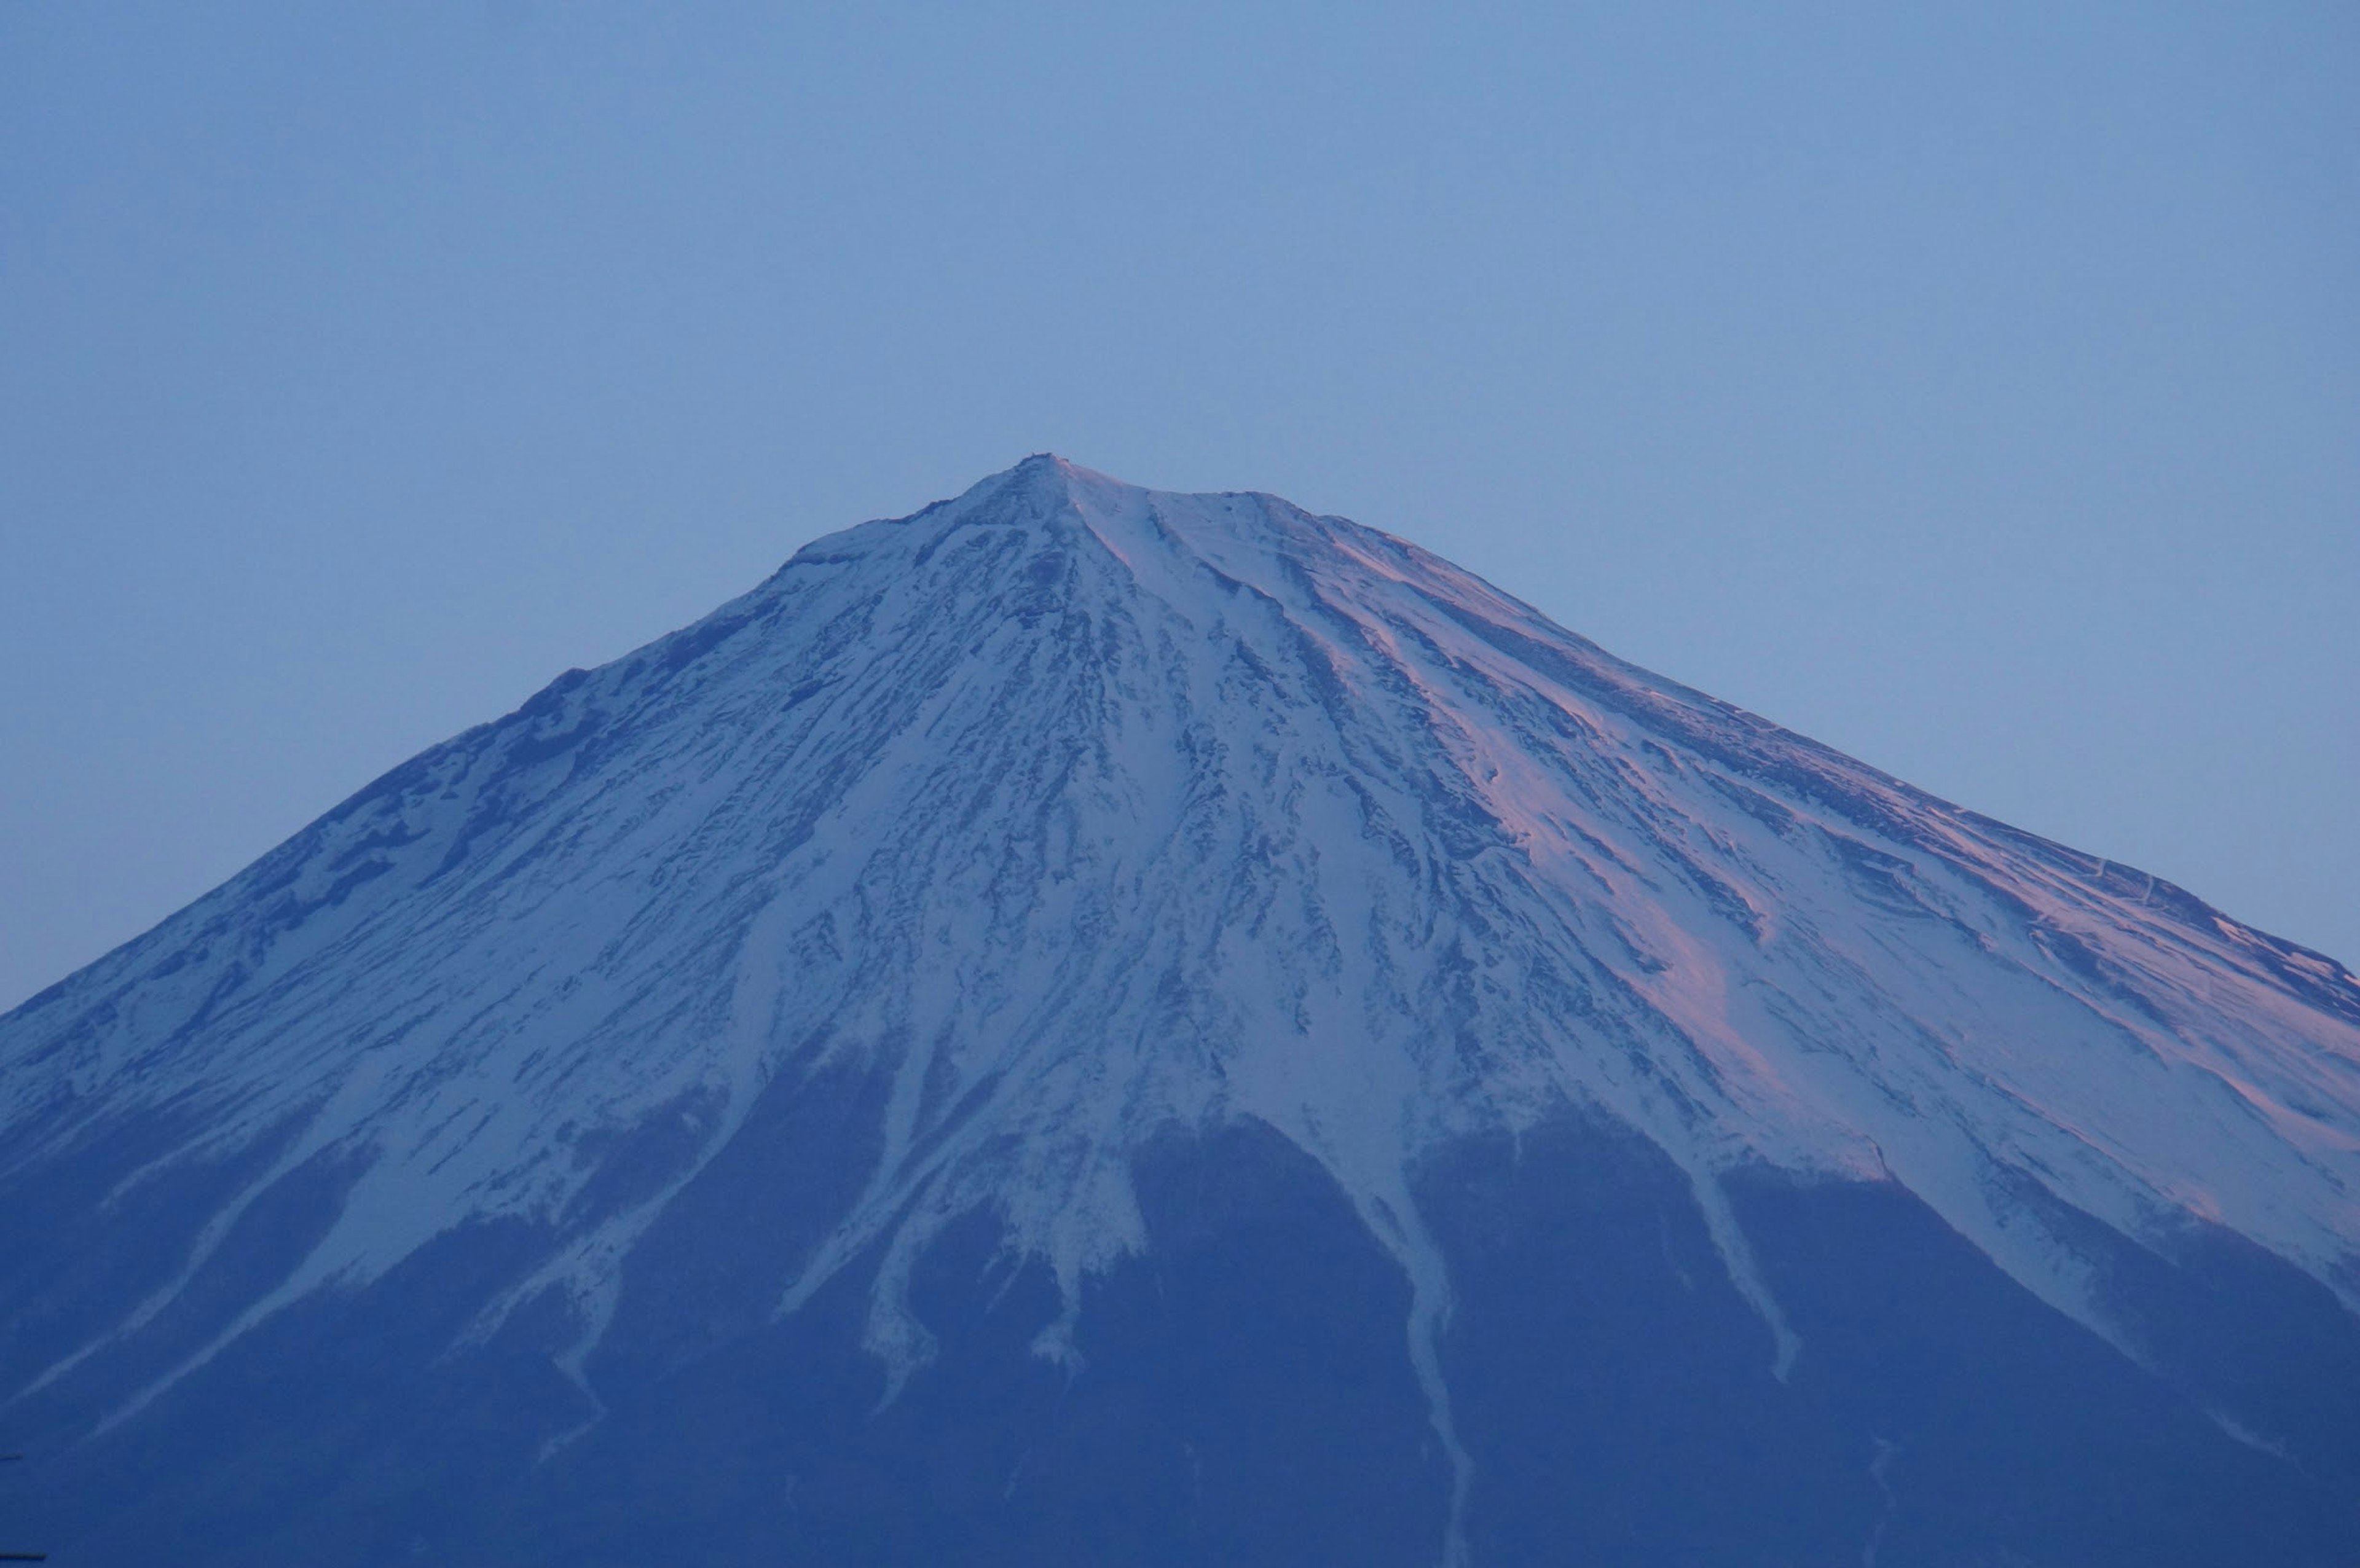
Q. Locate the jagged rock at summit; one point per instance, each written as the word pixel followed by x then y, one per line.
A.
pixel 1092 1026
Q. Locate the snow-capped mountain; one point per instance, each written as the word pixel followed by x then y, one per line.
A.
pixel 1093 1025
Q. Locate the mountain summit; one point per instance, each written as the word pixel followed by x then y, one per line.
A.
pixel 1091 1025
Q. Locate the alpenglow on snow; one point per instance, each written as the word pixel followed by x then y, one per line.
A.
pixel 1091 1025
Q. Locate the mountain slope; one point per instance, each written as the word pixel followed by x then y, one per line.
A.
pixel 954 893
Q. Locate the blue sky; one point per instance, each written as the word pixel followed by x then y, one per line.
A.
pixel 1976 389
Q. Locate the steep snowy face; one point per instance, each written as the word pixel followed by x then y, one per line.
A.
pixel 1087 813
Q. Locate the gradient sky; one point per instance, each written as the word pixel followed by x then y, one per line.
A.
pixel 1976 389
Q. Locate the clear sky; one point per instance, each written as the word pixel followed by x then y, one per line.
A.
pixel 1975 388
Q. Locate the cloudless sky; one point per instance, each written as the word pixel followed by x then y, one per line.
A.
pixel 1975 387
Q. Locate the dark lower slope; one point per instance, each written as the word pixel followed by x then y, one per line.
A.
pixel 1245 1400
pixel 1617 1397
pixel 1246 1395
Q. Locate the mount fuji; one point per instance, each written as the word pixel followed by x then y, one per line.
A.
pixel 1087 1024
